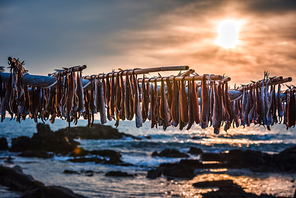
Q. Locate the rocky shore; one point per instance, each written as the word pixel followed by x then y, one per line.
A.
pixel 47 143
pixel 255 161
pixel 16 180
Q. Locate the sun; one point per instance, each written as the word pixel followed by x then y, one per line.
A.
pixel 228 34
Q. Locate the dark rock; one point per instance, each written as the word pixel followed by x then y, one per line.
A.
pixel 191 162
pixel 44 140
pixel 9 160
pixel 97 131
pixel 195 151
pixel 196 138
pixel 179 171
pixel 286 160
pixel 226 189
pixel 211 156
pixel 71 172
pixel 154 173
pixel 169 153
pixel 3 144
pixel 147 137
pixel 15 179
pixel 22 143
pixel 173 170
pixel 118 174
pixel 89 174
pixel 87 171
pixel 39 154
pixel 51 191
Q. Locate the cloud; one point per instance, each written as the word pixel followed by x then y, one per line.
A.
pixel 106 35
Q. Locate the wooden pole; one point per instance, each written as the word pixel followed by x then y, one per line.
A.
pixel 178 78
pixel 35 80
pixel 144 71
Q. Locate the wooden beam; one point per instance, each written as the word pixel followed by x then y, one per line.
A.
pixel 143 71
pixel 36 80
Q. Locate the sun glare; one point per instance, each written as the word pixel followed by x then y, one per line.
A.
pixel 228 34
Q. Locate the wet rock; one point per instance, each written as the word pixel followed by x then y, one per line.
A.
pixel 39 154
pixel 51 191
pixel 172 170
pixel 179 171
pixel 226 189
pixel 9 160
pixel 211 156
pixel 154 173
pixel 22 143
pixel 15 179
pixel 169 153
pixel 70 172
pixel 97 131
pixel 195 151
pixel 118 174
pixel 3 144
pixel 44 140
pixel 286 160
pixel 89 174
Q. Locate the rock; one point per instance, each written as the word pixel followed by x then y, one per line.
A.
pixel 89 174
pixel 179 171
pixel 14 178
pixel 172 170
pixel 9 160
pixel 118 174
pixel 3 144
pixel 147 137
pixel 154 173
pixel 39 154
pixel 226 189
pixel 70 172
pixel 211 156
pixel 44 140
pixel 51 191
pixel 286 160
pixel 195 151
pixel 97 131
pixel 169 153
pixel 23 143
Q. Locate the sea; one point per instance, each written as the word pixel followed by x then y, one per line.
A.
pixel 138 152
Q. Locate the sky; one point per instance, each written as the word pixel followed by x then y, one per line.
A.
pixel 106 35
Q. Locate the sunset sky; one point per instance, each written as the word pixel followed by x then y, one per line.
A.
pixel 106 35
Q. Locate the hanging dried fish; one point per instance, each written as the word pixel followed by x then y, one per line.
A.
pixel 145 100
pixel 183 102
pixel 122 93
pixel 217 109
pixel 128 98
pixel 175 103
pixel 279 104
pixel 163 110
pixel 204 99
pixel 190 106
pixel 137 107
pixel 291 109
pixel 101 97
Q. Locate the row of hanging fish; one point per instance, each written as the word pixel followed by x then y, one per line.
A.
pixel 64 100
pixel 174 103
pixel 261 103
pixel 122 96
